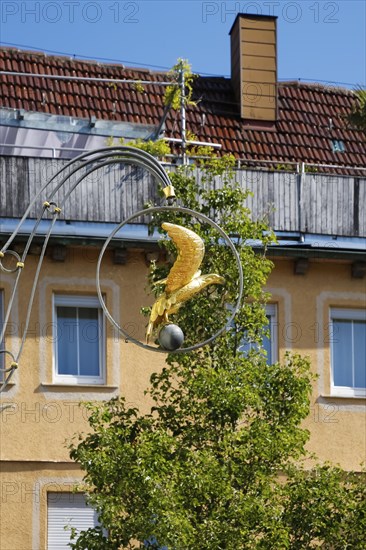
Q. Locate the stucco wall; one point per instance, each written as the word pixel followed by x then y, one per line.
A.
pixel 34 431
pixel 337 425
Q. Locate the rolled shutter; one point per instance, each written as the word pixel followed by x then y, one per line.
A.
pixel 66 510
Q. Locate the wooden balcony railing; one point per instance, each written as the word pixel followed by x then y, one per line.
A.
pixel 291 201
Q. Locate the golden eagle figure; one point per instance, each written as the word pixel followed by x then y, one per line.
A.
pixel 184 279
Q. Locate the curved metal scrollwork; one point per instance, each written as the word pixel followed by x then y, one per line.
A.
pixel 81 168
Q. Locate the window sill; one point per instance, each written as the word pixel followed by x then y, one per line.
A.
pixel 77 387
pixel 330 396
pixel 9 385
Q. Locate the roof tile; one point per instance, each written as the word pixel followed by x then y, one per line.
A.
pixel 302 132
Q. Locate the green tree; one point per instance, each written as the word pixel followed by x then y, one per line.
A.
pixel 216 464
pixel 357 117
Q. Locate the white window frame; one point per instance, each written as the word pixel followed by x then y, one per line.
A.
pixel 347 315
pixel 84 302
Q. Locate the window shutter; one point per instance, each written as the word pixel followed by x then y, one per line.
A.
pixel 67 509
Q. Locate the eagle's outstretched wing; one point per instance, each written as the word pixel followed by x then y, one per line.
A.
pixel 191 251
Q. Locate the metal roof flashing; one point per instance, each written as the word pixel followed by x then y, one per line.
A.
pixel 75 230
pixel 254 16
pixel 96 232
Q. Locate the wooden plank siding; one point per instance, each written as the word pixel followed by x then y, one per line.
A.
pixel 310 203
pixel 274 197
pixel 333 205
pixel 107 195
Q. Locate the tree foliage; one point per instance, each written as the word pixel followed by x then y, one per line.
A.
pixel 173 93
pixel 217 462
pixel 357 117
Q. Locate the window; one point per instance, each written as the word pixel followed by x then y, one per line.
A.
pixel 338 146
pixel 348 351
pixel 79 340
pixel 66 510
pixel 269 342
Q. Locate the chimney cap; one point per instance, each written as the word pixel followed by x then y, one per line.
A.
pixel 253 16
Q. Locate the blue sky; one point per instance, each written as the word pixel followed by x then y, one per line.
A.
pixel 317 40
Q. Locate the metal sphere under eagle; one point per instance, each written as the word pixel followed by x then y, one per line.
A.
pixel 184 280
pixel 171 337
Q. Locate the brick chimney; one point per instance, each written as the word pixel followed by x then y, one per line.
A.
pixel 254 66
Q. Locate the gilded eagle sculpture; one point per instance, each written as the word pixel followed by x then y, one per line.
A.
pixel 184 279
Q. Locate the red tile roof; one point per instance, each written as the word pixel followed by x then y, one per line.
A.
pixel 310 115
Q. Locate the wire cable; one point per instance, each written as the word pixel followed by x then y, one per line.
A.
pixel 165 68
pixel 76 56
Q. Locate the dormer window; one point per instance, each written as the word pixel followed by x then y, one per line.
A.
pixel 338 146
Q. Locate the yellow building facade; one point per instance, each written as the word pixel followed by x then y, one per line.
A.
pixel 41 414
pixel 306 170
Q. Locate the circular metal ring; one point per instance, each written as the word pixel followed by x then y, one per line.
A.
pixel 12 253
pixel 200 217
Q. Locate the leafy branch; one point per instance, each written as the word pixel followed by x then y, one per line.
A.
pixel 357 117
pixel 173 93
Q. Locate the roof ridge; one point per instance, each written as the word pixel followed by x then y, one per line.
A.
pixel 320 85
pixel 95 62
pixel 120 66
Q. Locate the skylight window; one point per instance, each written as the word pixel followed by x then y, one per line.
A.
pixel 338 146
